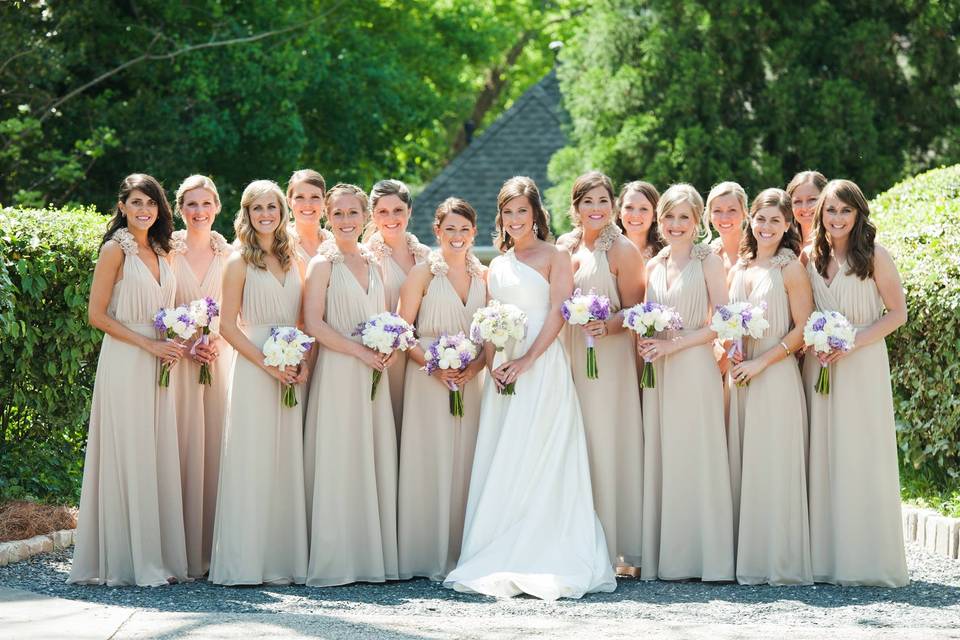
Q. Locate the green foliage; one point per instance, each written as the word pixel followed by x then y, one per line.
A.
pixel 48 350
pixel 919 222
pixel 702 92
pixel 930 489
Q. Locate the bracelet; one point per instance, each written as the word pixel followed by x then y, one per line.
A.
pixel 785 347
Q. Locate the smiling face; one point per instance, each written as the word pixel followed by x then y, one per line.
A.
pixel 346 217
pixel 768 225
pixel 517 217
pixel 838 217
pixel 455 233
pixel 726 215
pixel 595 209
pixel 306 203
pixel 266 214
pixel 804 203
pixel 140 210
pixel 679 224
pixel 636 213
pixel 391 215
pixel 199 208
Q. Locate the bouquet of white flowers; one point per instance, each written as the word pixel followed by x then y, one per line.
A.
pixel 286 347
pixel 385 332
pixel 736 320
pixel 645 319
pixel 174 323
pixel 827 331
pixel 497 324
pixel 206 314
pixel 451 352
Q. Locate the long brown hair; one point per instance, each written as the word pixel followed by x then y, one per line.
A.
pixel 791 237
pixel 862 236
pixel 517 187
pixel 649 192
pixel 583 185
pixel 247 235
pixel 161 230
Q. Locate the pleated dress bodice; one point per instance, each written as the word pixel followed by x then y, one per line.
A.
pixel 615 447
pixel 137 297
pixel 436 452
pixel 687 294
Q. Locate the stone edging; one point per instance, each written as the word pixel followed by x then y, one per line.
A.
pixel 17 550
pixel 937 534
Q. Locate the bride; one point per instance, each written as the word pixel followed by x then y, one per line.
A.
pixel 530 524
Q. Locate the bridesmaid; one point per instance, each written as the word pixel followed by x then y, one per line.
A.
pixel 436 453
pixel 687 508
pixel 637 217
pixel 773 544
pixel 260 534
pixel 353 532
pixel 198 256
pixel 396 251
pixel 726 212
pixel 804 191
pixel 855 530
pixel 606 262
pixel 131 515
pixel 305 191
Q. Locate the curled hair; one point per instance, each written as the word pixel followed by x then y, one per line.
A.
pixel 309 176
pixel 161 230
pixel 583 185
pixel 815 177
pixel 649 192
pixel 247 235
pixel 520 187
pixel 726 189
pixel 791 237
pixel 189 184
pixel 456 206
pixel 862 236
pixel 683 193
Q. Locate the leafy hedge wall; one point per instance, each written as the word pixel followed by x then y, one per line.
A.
pixel 48 351
pixel 919 221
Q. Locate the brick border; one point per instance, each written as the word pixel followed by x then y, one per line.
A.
pixel 17 550
pixel 937 534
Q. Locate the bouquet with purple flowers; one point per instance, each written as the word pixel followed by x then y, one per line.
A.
pixel 206 315
pixel 498 324
pixel 579 309
pixel 645 320
pixel 451 352
pixel 286 347
pixel 173 323
pixel 827 331
pixel 736 320
pixel 385 332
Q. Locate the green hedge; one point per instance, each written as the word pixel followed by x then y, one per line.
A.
pixel 48 352
pixel 919 221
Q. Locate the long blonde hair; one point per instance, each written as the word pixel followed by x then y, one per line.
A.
pixel 247 235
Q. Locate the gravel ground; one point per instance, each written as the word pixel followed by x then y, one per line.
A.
pixel 932 600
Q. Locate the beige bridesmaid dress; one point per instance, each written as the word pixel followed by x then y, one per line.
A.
pixel 393 278
pixel 353 531
pixel 614 438
pixel 773 544
pixel 436 450
pixel 260 531
pixel 201 409
pixel 130 530
pixel 854 486
pixel 687 505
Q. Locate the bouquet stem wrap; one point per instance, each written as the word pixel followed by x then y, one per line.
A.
pixel 580 309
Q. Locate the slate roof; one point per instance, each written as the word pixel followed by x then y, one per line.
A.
pixel 519 142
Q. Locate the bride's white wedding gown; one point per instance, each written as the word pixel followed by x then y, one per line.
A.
pixel 530 523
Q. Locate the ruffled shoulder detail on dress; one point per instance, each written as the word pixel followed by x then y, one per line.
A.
pixel 608 235
pixel 126 241
pixel 178 242
pixel 647 253
pixel 417 248
pixel 218 243
pixel 381 250
pixel 332 253
pixel 783 258
pixel 664 253
pixel 700 251
pixel 716 245
pixel 439 266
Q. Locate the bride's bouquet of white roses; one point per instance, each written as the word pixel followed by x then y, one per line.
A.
pixel 498 323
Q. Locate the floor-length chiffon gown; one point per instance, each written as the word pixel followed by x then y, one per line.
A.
pixel 260 530
pixel 856 533
pixel 436 450
pixel 393 278
pixel 353 531
pixel 773 543
pixel 687 504
pixel 201 409
pixel 611 410
pixel 130 530
pixel 530 525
